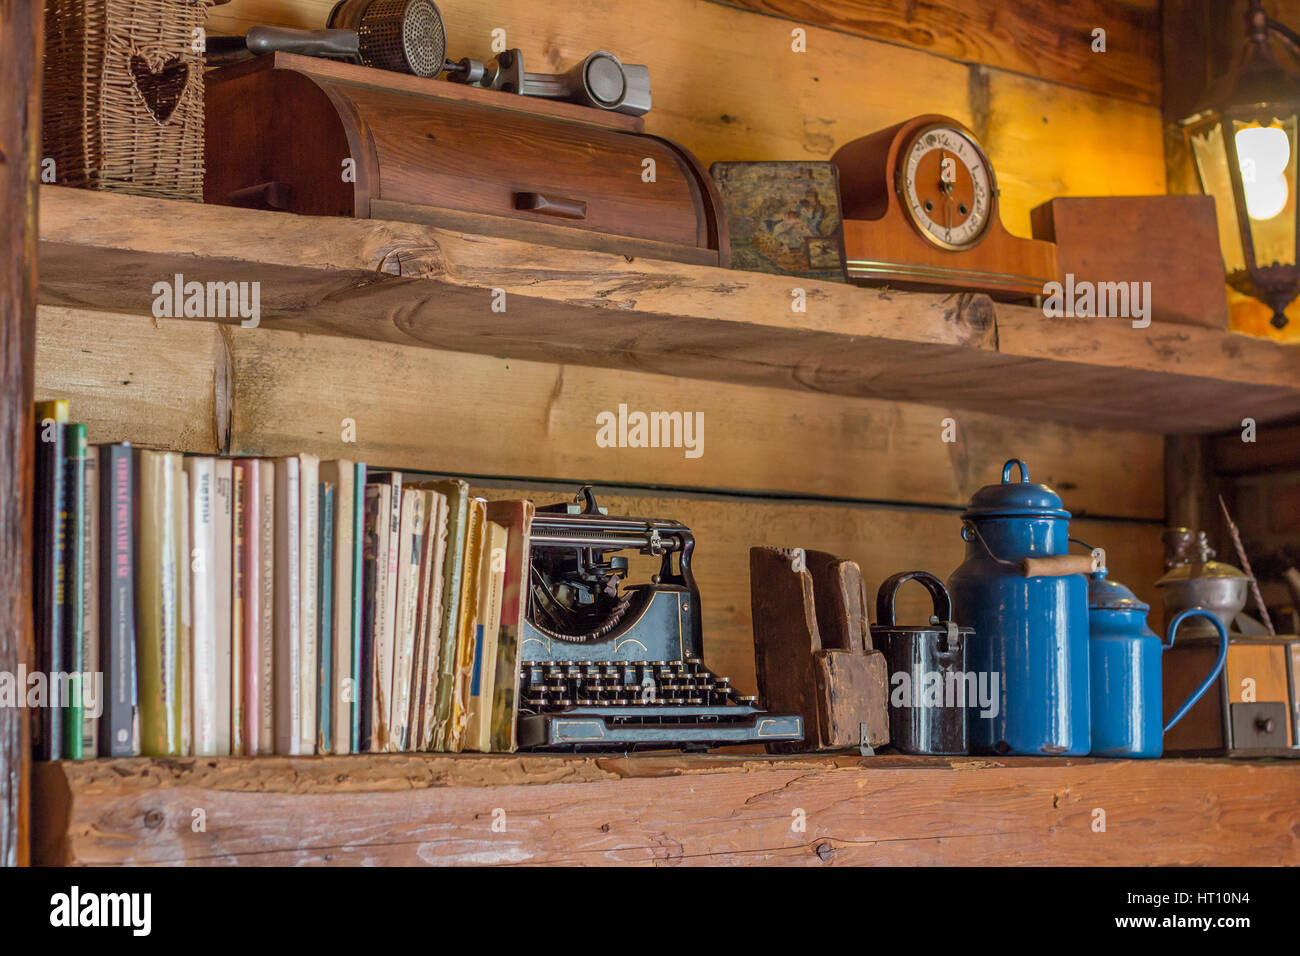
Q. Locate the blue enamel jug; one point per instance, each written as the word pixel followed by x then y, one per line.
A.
pixel 1027 600
pixel 1126 674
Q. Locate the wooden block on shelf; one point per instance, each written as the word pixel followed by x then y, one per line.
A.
pixel 1170 241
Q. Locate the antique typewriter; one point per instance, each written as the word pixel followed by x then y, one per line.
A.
pixel 607 665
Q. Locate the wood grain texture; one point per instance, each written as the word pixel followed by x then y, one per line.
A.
pixel 183 384
pixel 1047 40
pixel 727 85
pixel 402 282
pixel 667 811
pixel 157 383
pixel 20 130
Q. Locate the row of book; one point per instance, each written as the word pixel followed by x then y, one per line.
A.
pixel 212 606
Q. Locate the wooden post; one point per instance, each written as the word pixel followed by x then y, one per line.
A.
pixel 20 131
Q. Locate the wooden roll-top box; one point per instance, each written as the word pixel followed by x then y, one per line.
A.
pixel 320 137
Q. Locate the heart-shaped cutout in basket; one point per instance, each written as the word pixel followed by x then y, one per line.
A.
pixel 160 86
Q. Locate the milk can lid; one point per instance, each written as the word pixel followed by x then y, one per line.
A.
pixel 1107 595
pixel 1021 497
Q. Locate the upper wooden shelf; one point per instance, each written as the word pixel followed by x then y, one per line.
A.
pixel 415 284
pixel 409 809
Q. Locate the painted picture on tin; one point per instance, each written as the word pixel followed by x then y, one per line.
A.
pixel 784 218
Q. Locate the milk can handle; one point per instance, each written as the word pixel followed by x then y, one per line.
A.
pixel 1181 712
pixel 885 596
pixel 1006 471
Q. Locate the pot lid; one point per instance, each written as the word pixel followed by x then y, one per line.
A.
pixel 1021 497
pixel 1107 595
pixel 1202 570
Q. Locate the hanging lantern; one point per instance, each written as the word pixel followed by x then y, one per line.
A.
pixel 1244 144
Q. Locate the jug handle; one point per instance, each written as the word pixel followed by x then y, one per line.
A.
pixel 1181 712
pixel 1006 471
pixel 885 596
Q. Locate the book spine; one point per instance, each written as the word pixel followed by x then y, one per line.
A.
pixel 119 726
pixel 158 641
pixel 458 516
pixel 266 644
pixel 238 606
pixel 92 668
pixel 517 516
pixel 433 650
pixel 48 532
pixel 251 539
pixel 358 601
pixel 223 516
pixel 309 556
pixel 74 590
pixel 342 682
pixel 184 568
pixel 367 731
pixel 287 623
pixel 467 622
pixel 325 612
pixel 206 682
pixel 386 583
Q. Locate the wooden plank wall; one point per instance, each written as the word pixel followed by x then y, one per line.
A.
pixel 869 479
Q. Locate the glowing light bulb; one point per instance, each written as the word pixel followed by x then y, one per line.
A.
pixel 1263 153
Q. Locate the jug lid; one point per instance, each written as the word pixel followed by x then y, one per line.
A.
pixel 1015 498
pixel 1107 595
pixel 1201 570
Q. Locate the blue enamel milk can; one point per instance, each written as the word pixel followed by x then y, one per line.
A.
pixel 1126 681
pixel 1027 600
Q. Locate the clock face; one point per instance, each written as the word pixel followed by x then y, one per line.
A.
pixel 947 187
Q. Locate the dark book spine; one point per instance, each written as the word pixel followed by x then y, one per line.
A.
pixel 325 619
pixel 49 615
pixel 370 584
pixel 359 679
pixel 74 588
pixel 117 725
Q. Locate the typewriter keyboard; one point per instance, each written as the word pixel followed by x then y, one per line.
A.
pixel 555 685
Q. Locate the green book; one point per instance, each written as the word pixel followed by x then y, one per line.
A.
pixel 74 591
pixel 358 599
pixel 325 617
pixel 458 496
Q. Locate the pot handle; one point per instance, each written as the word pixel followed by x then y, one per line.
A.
pixel 1006 471
pixel 1052 565
pixel 885 596
pixel 1181 712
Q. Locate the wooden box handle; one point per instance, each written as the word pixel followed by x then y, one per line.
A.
pixel 551 205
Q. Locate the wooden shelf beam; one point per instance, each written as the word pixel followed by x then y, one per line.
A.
pixel 432 809
pixel 413 284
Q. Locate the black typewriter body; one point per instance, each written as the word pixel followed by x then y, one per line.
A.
pixel 611 666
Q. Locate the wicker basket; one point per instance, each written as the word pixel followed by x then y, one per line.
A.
pixel 123 95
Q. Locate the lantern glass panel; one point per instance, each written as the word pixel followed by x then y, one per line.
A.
pixel 1211 156
pixel 1266 155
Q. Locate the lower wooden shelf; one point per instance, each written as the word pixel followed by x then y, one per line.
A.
pixel 412 809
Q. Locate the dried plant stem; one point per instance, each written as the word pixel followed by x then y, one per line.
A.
pixel 1245 564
